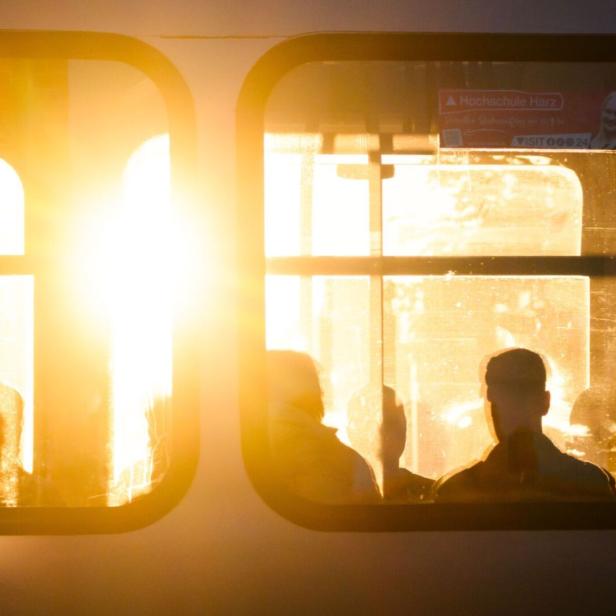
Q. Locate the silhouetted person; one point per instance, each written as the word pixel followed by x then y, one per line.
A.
pixel 399 484
pixel 385 440
pixel 307 455
pixel 525 465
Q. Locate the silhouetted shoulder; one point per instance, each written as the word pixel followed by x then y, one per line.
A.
pixel 572 477
pixel 546 474
pixel 315 464
pixel 463 486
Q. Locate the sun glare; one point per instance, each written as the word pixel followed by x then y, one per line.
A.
pixel 140 304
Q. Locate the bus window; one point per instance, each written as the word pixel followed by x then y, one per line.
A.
pixel 420 216
pixel 87 245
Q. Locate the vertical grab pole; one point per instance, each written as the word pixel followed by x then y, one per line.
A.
pixel 305 243
pixel 375 183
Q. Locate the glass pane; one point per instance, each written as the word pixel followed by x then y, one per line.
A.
pixel 330 319
pixel 11 211
pixel 526 207
pixel 436 334
pixel 441 329
pixel 138 288
pixel 308 202
pixel 16 388
pixel 16 348
pixel 444 159
pixel 456 159
pixel 85 337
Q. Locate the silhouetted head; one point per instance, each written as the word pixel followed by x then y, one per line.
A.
pixel 515 388
pixel 292 378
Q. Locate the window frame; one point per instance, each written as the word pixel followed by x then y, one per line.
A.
pixel 252 104
pixel 174 92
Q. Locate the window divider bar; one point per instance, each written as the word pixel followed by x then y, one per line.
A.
pixel 16 265
pixel 596 266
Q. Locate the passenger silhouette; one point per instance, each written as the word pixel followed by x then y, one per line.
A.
pixel 386 440
pixel 524 465
pixel 308 457
pixel 399 484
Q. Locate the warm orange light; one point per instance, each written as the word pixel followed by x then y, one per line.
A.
pixel 139 293
pixel 436 330
pixel 135 272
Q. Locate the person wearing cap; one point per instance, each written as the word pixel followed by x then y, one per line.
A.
pixel 524 465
